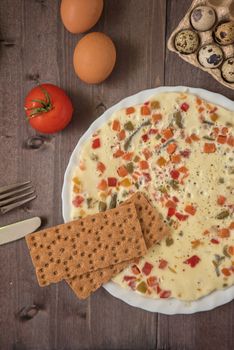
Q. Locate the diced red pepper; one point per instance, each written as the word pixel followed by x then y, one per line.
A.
pixel 221 200
pixel 147 153
pixel 214 241
pixel 143 164
pixel 162 264
pixel 230 141
pixel 145 137
pixel 121 135
pixel 171 212
pixel 77 201
pixel 165 294
pixel 185 153
pixel 116 125
pixel 122 171
pixel 175 174
pixel 112 181
pixel 158 289
pixel 118 153
pixel 192 261
pixel 135 270
pixel 96 143
pixel 145 110
pixel 222 139
pixel 102 185
pixel 170 204
pixel 152 281
pixel 129 278
pixel 226 272
pixel 128 155
pixel 153 131
pixel 147 177
pixel 175 199
pixel 190 209
pixel 184 107
pixel 181 217
pixel 209 148
pixel 147 268
pixel 130 110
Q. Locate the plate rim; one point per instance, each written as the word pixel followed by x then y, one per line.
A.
pixel 165 306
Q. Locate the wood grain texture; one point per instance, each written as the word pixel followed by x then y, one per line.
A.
pixel 34 46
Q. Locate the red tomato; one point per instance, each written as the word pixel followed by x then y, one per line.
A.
pixel 48 108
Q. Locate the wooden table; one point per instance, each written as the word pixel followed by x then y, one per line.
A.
pixel 34 46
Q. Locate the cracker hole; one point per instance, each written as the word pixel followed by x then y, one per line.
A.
pixel 102 258
pixel 44 234
pixel 109 235
pixel 82 254
pixel 61 250
pixel 37 257
pixel 90 255
pixel 57 230
pixel 58 261
pixel 83 229
pixel 86 242
pixel 41 246
pixel 42 276
pixel 32 238
pixel 140 208
pixel 95 250
pixel 48 247
pixel 74 252
pixel 35 244
pixel 55 273
pixel 91 262
pixel 65 238
pixel 59 237
pixel 99 245
pixel 70 257
pixel 41 270
pixel 77 235
pixel 73 240
pixel 51 259
pixel 74 246
pixel 68 227
pixel 67 269
pixel 65 262
pixel 53 242
pixel 81 289
pixel 78 266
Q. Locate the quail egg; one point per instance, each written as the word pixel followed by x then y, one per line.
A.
pixel 203 18
pixel 228 70
pixel 224 33
pixel 187 41
pixel 210 56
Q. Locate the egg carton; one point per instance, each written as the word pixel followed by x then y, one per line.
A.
pixel 224 12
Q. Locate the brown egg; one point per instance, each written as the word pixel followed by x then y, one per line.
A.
pixel 78 16
pixel 94 58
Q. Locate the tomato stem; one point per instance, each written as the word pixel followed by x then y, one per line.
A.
pixel 46 105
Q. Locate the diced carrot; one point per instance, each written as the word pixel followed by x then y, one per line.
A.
pixel 206 232
pixel 156 118
pixel 76 189
pixel 183 169
pixel 194 137
pixel 214 117
pixel 226 272
pixel 171 148
pixel 147 153
pixel 145 110
pixel 118 153
pixel 76 180
pixel 143 164
pixel 101 167
pixel 190 209
pixel 215 131
pixel 201 109
pixel 167 133
pixel 188 140
pixel 224 233
pixel 121 135
pixel 230 141
pixel 122 171
pixel 175 158
pixel 102 185
pixel 116 125
pixel 222 139
pixel 209 148
pixel 224 130
pixel 130 110
pixel 199 101
pixel 231 226
pixel 221 200
pixel 170 204
pixel 161 161
pixel 196 243
pixel 231 250
pixel 128 155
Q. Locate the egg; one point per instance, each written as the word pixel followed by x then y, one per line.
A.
pixel 228 70
pixel 78 16
pixel 210 56
pixel 224 33
pixel 94 58
pixel 187 41
pixel 203 18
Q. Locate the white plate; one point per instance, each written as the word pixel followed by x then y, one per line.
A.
pixel 164 306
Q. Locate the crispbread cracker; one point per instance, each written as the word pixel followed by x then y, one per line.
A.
pixel 85 245
pixel 153 229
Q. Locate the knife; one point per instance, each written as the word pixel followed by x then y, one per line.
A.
pixel 18 230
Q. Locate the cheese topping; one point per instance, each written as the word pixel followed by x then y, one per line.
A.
pixel 179 151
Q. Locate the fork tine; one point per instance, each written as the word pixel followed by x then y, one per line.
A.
pixel 9 207
pixel 11 193
pixel 13 199
pixel 4 189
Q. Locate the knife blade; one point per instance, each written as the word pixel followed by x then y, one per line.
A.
pixel 18 230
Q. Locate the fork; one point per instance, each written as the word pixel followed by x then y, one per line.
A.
pixel 15 195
